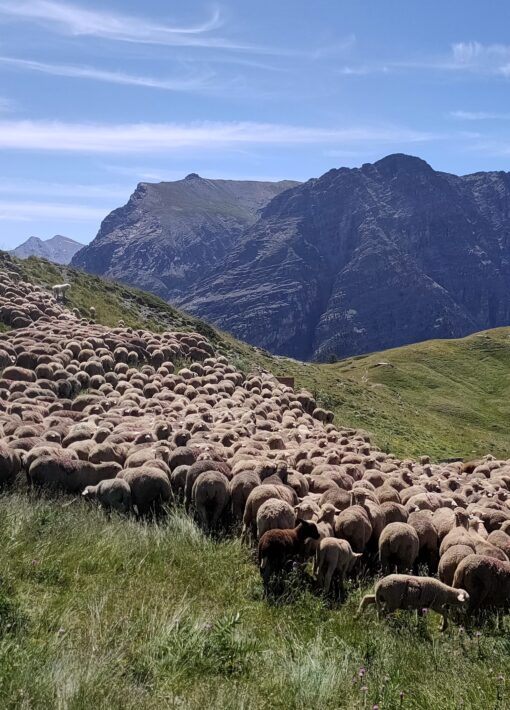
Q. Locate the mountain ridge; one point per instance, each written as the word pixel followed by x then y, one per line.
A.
pixel 58 249
pixel 357 260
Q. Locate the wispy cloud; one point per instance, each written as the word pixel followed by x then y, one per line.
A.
pixel 78 72
pixel 103 192
pixel 166 137
pixel 28 211
pixel 480 116
pixel 75 20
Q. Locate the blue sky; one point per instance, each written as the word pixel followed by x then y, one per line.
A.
pixel 97 96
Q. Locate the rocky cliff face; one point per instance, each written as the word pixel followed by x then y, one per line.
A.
pixel 366 259
pixel 171 235
pixel 58 249
pixel 354 261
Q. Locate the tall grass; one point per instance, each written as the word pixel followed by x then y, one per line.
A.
pixel 101 611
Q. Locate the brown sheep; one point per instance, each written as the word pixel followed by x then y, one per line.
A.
pixel 278 548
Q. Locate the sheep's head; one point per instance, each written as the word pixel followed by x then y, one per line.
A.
pixel 307 529
pixel 89 492
pixel 462 597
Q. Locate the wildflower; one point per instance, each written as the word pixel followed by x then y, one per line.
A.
pixel 478 634
pixel 362 672
pixel 364 689
pixel 424 611
pixel 461 630
pixel 501 678
pixel 375 707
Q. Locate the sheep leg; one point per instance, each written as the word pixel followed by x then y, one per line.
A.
pixel 444 624
pixel 327 578
pixel 366 601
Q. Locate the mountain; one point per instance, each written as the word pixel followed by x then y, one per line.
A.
pixel 355 261
pixel 58 249
pixel 171 235
pixel 366 259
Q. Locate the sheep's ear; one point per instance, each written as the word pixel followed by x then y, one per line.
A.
pixel 462 596
pixel 357 554
pixel 85 492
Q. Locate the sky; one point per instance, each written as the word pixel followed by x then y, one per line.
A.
pixel 98 96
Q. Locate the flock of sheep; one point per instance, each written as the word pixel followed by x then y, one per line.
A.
pixel 115 415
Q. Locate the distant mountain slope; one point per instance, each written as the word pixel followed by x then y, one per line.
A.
pixel 365 259
pixel 171 235
pixel 58 249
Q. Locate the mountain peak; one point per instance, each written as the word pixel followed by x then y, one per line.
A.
pixel 396 163
pixel 58 249
pixel 193 176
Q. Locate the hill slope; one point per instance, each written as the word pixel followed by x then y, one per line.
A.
pixel 447 398
pixel 58 249
pixel 171 235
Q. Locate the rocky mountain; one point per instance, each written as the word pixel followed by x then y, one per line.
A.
pixel 58 249
pixel 354 261
pixel 171 235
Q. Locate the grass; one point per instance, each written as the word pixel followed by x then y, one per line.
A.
pixel 99 612
pixel 444 398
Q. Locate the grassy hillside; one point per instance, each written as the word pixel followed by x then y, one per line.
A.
pixel 108 613
pixel 446 398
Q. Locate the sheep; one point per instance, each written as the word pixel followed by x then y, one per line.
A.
pixel 150 488
pixel 256 498
pixel 354 526
pixel 401 591
pixel 421 520
pixel 334 558
pixel 241 486
pixel 451 560
pixel 60 291
pixel 487 580
pixel 210 498
pixel 279 547
pixel 274 514
pixel 399 546
pixel 112 493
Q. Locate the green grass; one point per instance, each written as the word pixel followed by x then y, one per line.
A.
pixel 99 612
pixel 444 398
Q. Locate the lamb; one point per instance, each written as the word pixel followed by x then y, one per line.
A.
pixel 277 548
pixel 486 579
pixel 399 546
pixel 401 591
pixel 275 514
pixel 334 559
pixel 112 493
